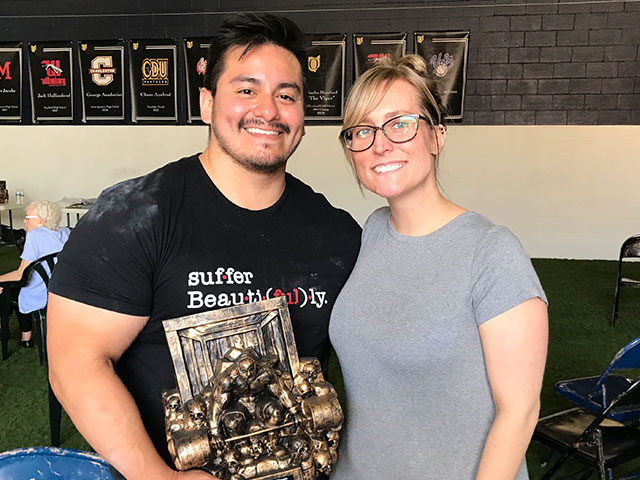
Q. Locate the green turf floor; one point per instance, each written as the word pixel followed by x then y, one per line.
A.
pixel 582 343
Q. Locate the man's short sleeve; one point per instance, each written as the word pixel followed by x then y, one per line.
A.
pixel 502 275
pixel 109 259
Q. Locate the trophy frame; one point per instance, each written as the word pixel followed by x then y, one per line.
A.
pixel 244 326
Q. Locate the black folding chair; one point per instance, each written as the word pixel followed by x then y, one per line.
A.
pixel 630 249
pixel 40 319
pixel 593 439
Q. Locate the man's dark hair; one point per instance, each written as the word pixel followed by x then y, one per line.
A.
pixel 252 30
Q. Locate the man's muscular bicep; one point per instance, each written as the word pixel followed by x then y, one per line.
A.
pixel 84 333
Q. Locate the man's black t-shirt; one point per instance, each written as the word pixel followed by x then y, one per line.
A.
pixel 169 244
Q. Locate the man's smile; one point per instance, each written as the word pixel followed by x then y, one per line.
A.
pixel 262 132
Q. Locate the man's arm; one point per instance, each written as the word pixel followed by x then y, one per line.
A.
pixel 515 349
pixel 84 343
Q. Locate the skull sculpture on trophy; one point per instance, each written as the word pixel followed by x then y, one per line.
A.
pixel 246 406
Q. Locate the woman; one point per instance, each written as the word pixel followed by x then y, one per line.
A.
pixel 43 237
pixel 441 330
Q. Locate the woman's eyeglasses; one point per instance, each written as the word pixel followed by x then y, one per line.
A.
pixel 398 129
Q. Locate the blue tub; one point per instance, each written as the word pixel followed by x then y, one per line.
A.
pixel 45 463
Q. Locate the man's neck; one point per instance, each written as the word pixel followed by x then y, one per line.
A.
pixel 245 188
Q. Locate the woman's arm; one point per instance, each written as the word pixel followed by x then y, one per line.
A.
pixel 515 349
pixel 16 274
pixel 30 251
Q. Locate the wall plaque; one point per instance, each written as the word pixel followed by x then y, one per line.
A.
pixel 102 80
pixel 153 80
pixel 195 62
pixel 51 78
pixel 324 96
pixel 446 57
pixel 369 46
pixel 11 82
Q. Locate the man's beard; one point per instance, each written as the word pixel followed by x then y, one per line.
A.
pixel 261 163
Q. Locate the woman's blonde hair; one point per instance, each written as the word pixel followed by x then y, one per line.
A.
pixel 48 211
pixel 369 88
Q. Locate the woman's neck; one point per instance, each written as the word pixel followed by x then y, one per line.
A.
pixel 417 218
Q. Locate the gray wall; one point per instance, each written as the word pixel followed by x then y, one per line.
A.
pixel 531 62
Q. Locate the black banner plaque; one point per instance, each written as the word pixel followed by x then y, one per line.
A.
pixel 102 80
pixel 369 46
pixel 11 82
pixel 51 78
pixel 195 62
pixel 153 80
pixel 446 57
pixel 324 96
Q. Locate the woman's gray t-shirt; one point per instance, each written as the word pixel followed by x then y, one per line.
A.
pixel 405 328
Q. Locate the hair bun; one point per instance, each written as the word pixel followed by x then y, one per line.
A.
pixel 415 63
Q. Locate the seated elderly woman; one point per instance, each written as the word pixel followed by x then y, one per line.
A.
pixel 43 237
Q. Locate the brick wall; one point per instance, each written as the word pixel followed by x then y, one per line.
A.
pixel 530 62
pixel 556 64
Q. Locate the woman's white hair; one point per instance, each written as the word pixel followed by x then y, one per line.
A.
pixel 48 211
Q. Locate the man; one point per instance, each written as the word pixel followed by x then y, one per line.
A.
pixel 224 227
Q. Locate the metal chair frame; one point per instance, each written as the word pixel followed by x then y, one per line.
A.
pixel 601 390
pixel 582 448
pixel 629 249
pixel 40 319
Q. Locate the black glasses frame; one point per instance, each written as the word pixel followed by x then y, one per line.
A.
pixel 375 129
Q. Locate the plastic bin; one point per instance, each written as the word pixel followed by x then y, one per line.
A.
pixel 44 463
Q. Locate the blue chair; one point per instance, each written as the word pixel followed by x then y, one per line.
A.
pixel 596 393
pixel 48 463
pixel 592 439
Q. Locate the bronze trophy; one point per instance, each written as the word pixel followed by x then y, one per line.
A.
pixel 246 406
